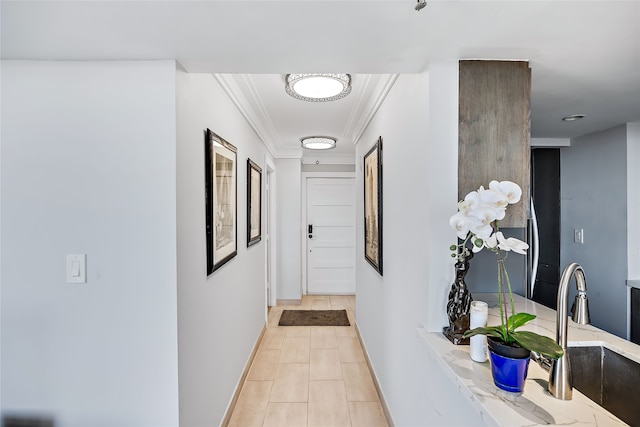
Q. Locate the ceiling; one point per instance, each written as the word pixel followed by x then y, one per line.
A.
pixel 584 55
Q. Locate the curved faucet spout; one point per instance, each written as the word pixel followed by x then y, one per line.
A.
pixel 560 374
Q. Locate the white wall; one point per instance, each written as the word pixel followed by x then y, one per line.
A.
pixel 442 185
pixel 288 250
pixel 88 166
pixel 418 124
pixel 220 317
pixel 593 191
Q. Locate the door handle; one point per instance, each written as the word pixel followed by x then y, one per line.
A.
pixel 310 228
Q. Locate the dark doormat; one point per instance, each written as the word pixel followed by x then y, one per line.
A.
pixel 314 318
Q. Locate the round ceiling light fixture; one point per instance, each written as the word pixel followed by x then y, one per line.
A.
pixel 318 142
pixel 573 117
pixel 317 87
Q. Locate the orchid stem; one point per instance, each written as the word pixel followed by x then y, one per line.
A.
pixel 506 275
pixel 501 298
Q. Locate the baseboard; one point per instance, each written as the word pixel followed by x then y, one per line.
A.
pixel 243 377
pixel 288 302
pixel 383 402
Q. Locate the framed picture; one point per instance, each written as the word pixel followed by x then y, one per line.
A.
pixel 254 203
pixel 373 206
pixel 221 201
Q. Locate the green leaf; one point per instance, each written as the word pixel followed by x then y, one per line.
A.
pixel 538 343
pixel 491 331
pixel 519 319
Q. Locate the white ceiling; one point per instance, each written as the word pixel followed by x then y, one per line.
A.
pixel 584 55
pixel 282 121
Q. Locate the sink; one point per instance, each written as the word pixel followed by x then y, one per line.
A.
pixel 608 378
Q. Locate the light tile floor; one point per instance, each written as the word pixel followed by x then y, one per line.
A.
pixel 309 376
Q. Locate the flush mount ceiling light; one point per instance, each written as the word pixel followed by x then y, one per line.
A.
pixel 318 87
pixel 573 117
pixel 318 142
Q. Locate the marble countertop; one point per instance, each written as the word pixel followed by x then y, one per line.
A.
pixel 535 406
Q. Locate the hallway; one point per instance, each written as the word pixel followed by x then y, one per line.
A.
pixel 309 376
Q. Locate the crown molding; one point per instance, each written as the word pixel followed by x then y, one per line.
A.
pixel 371 105
pixel 253 110
pixel 289 154
pixel 359 105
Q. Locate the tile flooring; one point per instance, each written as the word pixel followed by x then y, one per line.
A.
pixel 309 376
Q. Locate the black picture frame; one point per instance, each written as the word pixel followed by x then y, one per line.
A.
pixel 254 203
pixel 221 191
pixel 373 206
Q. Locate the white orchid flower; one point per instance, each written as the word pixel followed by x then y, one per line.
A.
pixel 494 198
pixel 511 244
pixel 480 212
pixel 509 189
pixel 491 242
pixel 480 229
pixel 486 213
pixel 459 222
pixel 479 243
pixel 466 205
pixel 480 226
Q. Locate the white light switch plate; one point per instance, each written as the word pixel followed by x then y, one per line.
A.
pixel 77 268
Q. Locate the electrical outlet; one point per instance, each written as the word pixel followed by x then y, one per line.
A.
pixel 578 235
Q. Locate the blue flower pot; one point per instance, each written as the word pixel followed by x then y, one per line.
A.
pixel 509 373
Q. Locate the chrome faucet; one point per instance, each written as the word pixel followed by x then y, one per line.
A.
pixel 560 382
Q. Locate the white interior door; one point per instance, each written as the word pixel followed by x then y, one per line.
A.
pixel 331 236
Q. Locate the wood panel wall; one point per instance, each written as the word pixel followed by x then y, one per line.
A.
pixel 494 130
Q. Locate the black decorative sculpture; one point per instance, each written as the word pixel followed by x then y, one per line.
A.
pixel 459 303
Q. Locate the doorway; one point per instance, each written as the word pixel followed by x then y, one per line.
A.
pixel 330 236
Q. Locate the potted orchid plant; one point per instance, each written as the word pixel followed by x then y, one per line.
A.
pixel 477 226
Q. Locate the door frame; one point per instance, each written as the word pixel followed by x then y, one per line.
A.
pixel 303 234
pixel 270 238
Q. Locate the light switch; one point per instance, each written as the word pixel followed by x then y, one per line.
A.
pixel 77 268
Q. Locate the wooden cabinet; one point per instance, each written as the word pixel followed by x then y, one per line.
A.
pixel 494 129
